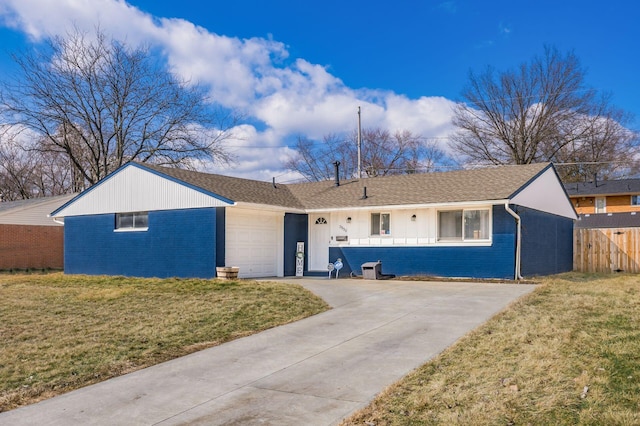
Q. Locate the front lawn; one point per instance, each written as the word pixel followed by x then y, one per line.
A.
pixel 61 332
pixel 569 353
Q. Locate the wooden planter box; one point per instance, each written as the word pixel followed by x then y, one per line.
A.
pixel 227 272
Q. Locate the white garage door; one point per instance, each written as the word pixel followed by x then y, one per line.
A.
pixel 253 242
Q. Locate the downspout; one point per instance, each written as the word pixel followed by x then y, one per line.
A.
pixel 518 239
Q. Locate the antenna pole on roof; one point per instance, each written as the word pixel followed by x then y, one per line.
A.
pixel 359 145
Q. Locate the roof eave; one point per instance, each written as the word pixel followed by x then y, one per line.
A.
pixel 270 207
pixel 451 204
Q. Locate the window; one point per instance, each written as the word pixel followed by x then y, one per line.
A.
pixel 132 221
pixel 380 224
pixel 464 225
pixel 601 205
pixel 635 200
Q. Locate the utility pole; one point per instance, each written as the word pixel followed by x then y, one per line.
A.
pixel 359 145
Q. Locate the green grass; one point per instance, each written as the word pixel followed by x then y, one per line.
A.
pixel 61 332
pixel 569 353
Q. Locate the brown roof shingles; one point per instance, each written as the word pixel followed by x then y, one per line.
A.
pixel 234 189
pixel 494 183
pixel 430 188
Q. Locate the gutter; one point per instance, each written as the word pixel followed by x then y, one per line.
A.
pixel 518 239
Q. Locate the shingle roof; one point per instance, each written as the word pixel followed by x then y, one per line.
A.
pixel 495 183
pixel 32 202
pixel 235 189
pixel 32 211
pixel 604 187
pixel 608 220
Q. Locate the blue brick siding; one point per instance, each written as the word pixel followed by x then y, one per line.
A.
pixel 495 261
pixel 180 243
pixel 547 243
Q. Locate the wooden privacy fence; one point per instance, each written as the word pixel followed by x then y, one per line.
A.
pixel 606 250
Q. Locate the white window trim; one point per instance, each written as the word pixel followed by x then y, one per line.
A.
pixel 637 199
pixel 465 242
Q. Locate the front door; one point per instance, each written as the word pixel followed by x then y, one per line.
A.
pixel 319 239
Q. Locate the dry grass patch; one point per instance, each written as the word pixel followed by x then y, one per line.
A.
pixel 61 332
pixel 568 353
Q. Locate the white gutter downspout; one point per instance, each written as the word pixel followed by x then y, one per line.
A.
pixel 518 239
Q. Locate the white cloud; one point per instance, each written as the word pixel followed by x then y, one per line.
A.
pixel 253 75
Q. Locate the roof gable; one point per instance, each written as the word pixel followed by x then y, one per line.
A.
pixel 547 194
pixel 134 188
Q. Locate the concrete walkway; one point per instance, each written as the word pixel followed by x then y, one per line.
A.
pixel 313 372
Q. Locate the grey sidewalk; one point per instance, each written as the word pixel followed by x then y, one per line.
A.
pixel 314 372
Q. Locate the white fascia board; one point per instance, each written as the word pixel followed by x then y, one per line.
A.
pixel 546 194
pixel 458 204
pixel 133 188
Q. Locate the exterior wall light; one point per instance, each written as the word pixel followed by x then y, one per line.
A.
pixel 413 218
pixel 349 219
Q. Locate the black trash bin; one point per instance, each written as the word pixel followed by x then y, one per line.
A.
pixel 371 270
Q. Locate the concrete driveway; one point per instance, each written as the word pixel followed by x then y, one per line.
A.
pixel 314 372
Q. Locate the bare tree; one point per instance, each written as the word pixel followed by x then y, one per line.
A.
pixel 102 103
pixel 16 172
pixel 608 150
pixel 401 152
pixel 25 174
pixel 542 111
pixel 383 153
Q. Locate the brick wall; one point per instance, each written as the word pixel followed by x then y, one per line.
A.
pixel 30 246
pixel 177 243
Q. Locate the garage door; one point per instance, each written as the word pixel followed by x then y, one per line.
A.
pixel 253 242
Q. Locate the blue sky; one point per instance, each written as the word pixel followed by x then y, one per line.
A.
pixel 302 68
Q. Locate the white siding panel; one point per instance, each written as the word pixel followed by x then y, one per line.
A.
pixel 134 189
pixel 546 194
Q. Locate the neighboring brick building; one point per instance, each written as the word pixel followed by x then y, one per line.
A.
pixel 607 196
pixel 28 238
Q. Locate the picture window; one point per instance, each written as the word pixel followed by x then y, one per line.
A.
pixel 464 225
